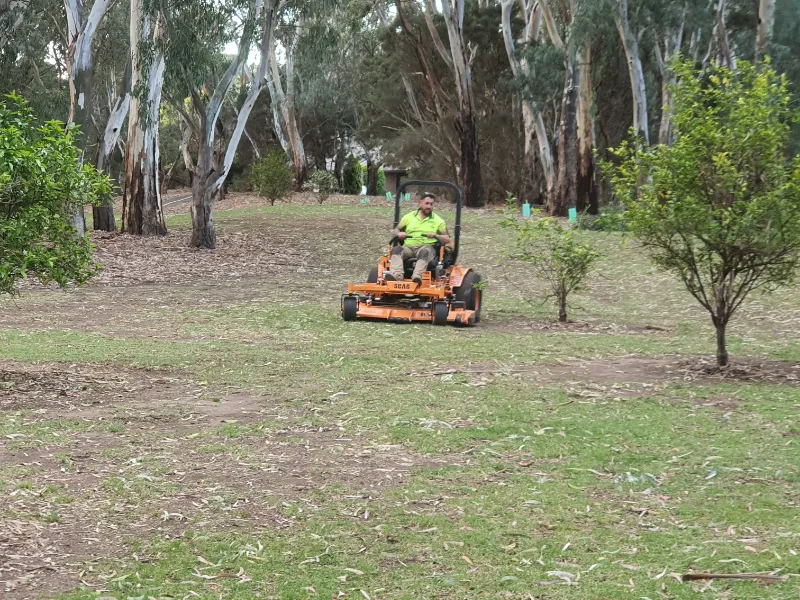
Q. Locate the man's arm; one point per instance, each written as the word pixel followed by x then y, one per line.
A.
pixel 398 232
pixel 441 236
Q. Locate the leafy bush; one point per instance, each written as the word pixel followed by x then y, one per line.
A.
pixel 381 191
pixel 322 183
pixel 556 254
pixel 41 186
pixel 611 218
pixel 720 208
pixel 271 177
pixel 355 176
pixel 352 176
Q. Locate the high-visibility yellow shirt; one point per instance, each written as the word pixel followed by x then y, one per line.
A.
pixel 416 229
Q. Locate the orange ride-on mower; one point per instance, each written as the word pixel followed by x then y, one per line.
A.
pixel 449 292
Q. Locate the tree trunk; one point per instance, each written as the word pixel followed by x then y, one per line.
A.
pixel 142 212
pixel 630 42
pixel 562 303
pixel 203 233
pixel 766 23
pixel 672 45
pixel 722 351
pixel 338 165
pixel 586 189
pixel 372 177
pixel 470 169
pixel 566 195
pixel 465 125
pixel 210 176
pixel 533 123
pixel 103 216
pixel 80 36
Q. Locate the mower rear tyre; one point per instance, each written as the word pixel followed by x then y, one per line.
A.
pixel 349 308
pixel 372 277
pixel 440 312
pixel 471 297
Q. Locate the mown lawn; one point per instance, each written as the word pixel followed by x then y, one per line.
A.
pixel 227 435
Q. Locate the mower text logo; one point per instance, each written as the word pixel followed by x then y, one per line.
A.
pixel 402 286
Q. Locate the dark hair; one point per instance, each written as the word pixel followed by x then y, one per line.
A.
pixel 428 195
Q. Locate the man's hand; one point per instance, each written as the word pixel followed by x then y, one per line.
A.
pixel 401 235
pixel 431 235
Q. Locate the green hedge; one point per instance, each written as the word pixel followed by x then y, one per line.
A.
pixel 355 175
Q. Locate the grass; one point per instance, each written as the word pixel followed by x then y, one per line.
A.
pixel 512 460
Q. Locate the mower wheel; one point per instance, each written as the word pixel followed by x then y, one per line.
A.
pixel 349 308
pixel 471 297
pixel 372 277
pixel 440 312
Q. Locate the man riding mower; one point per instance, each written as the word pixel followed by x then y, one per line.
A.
pixel 418 278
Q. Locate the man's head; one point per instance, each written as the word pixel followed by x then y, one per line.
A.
pixel 426 203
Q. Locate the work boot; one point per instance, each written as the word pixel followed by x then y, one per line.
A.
pixel 417 280
pixel 387 276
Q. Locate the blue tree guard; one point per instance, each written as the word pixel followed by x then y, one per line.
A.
pixel 573 215
pixel 526 210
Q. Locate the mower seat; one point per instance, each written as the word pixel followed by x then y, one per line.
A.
pixel 410 263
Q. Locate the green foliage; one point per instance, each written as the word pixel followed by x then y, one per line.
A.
pixel 271 176
pixel 557 255
pixel 381 191
pixel 721 207
pixel 352 176
pixel 611 218
pixel 322 183
pixel 40 186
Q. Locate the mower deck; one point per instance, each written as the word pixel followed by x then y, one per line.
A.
pixel 406 302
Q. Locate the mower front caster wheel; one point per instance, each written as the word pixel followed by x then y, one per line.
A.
pixel 440 312
pixel 349 308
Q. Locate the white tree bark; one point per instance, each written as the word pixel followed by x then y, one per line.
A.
pixel 672 46
pixel 630 42
pixel 256 86
pixel 532 120
pixel 465 123
pixel 142 212
pixel 766 24
pixel 283 109
pixel 80 35
pixel 119 111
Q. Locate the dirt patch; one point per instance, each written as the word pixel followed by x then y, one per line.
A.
pixel 648 372
pixel 62 391
pixel 741 369
pixel 723 403
pixel 151 454
pixel 516 326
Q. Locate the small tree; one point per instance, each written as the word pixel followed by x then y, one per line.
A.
pixel 557 255
pixel 271 176
pixel 322 183
pixel 352 176
pixel 41 187
pixel 721 207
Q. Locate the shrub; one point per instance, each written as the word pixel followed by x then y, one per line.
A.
pixel 322 183
pixel 611 218
pixel 352 176
pixel 557 255
pixel 41 186
pixel 271 177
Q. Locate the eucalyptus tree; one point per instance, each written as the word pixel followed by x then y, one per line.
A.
pixel 197 32
pixel 458 55
pixel 82 25
pixel 141 204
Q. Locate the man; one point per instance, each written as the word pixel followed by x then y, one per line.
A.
pixel 419 230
